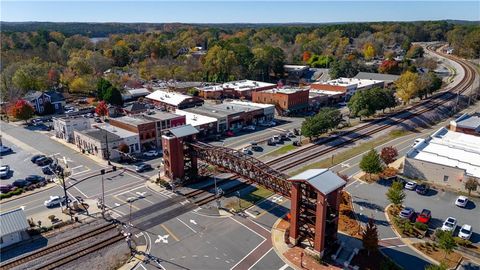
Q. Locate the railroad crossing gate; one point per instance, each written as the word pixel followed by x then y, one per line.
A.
pixel 314 193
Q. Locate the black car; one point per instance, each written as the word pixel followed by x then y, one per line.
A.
pixel 36 157
pixel 35 179
pixel 143 167
pixel 43 161
pixel 20 183
pixel 422 189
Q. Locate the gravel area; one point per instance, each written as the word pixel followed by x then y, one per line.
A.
pixel 110 258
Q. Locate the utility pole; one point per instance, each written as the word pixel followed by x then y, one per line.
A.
pixel 108 152
pixel 102 172
pixel 239 201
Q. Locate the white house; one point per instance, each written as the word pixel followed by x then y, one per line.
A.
pixel 65 125
pixel 13 227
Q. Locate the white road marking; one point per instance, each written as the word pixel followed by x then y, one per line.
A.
pixel 85 195
pixel 193 222
pixel 394 246
pixel 388 238
pixel 127 191
pixel 162 238
pixel 283 267
pixel 247 228
pixel 264 239
pixel 351 183
pixel 260 258
pixel 187 225
pixel 76 167
pixel 139 234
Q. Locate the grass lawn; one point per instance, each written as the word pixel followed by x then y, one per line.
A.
pixel 342 156
pixel 249 199
pixel 282 150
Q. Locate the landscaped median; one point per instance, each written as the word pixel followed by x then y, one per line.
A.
pixel 352 152
pixel 414 234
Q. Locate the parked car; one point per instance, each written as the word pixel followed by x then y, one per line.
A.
pixel 6 188
pixel 422 189
pixel 276 138
pixel 290 134
pixel 5 150
pixel 283 136
pixel 424 216
pixel 255 146
pixel 43 161
pixel 229 133
pixel 151 153
pixel 35 157
pixel 461 201
pixel 410 185
pixel 35 179
pixel 417 141
pixel 143 167
pixel 465 232
pixel 4 171
pixel 271 142
pixel 297 143
pixel 54 201
pixel 47 170
pixel 449 224
pixel 20 183
pixel 246 151
pixel 407 213
pixel 296 131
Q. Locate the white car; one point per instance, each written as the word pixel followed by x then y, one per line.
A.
pixel 54 201
pixel 465 232
pixel 417 141
pixel 449 224
pixel 410 185
pixel 4 171
pixel 277 138
pixel 246 151
pixel 461 201
pixel 151 153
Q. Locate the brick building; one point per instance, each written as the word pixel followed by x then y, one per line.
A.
pixel 149 127
pixel 468 124
pixel 286 100
pixel 242 89
pixel 171 101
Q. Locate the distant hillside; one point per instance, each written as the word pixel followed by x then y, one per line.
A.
pixel 104 29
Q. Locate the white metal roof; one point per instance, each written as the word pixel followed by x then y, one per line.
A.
pixel 171 98
pixel 13 221
pixel 323 180
pixel 326 92
pixel 120 132
pixel 196 119
pixel 450 148
pixel 245 85
pixel 352 81
pixel 249 103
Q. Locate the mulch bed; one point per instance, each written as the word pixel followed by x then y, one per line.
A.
pixel 437 254
pixel 347 222
pixel 294 255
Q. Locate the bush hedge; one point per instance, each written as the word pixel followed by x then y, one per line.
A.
pixel 11 193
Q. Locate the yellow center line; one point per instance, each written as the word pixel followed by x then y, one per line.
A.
pixel 170 232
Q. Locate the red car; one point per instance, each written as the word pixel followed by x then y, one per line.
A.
pixel 229 133
pixel 424 216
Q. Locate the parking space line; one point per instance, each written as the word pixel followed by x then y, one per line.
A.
pixel 260 258
pixel 187 225
pixel 85 195
pixel 170 232
pixel 110 193
pixel 283 267
pixel 130 190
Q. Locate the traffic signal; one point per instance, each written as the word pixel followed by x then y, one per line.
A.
pixel 102 171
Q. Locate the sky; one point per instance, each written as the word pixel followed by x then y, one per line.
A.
pixel 237 12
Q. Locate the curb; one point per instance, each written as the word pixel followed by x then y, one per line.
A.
pixel 406 242
pixel 280 255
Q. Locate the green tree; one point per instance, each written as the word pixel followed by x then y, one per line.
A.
pixel 408 86
pixel 416 51
pixel 370 236
pixel 218 64
pixel 371 162
pixel 113 96
pixel 342 68
pixel 471 185
pixel 360 105
pixel 446 242
pixel 324 120
pixel 31 76
pixel 395 193
pixel 22 110
pixel 102 87
pixel 193 92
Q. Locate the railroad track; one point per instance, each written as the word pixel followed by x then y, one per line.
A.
pixel 427 105
pixel 82 252
pixel 55 247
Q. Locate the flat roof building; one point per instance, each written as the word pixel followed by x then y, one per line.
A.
pixel 235 89
pixel 171 101
pixel 388 79
pixel 64 126
pixel 447 158
pixel 206 125
pixel 13 227
pixel 469 124
pixel 285 100
pixel 346 86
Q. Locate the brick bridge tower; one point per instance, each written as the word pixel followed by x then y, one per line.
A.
pixel 315 204
pixel 179 160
